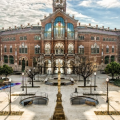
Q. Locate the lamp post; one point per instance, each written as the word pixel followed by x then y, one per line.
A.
pixel 107 101
pixel 23 81
pixel 90 88
pixel 34 72
pixel 9 82
pixel 94 81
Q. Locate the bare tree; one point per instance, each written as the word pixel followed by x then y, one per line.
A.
pixel 31 74
pixel 84 68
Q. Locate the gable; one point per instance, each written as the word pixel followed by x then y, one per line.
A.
pixel 51 18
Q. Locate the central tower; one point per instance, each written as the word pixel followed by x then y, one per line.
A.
pixel 59 4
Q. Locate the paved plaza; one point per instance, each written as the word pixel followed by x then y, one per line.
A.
pixel 72 112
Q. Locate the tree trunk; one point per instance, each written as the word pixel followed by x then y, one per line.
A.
pixel 84 81
pixel 32 82
pixel 112 76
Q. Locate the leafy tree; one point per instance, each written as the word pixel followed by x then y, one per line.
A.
pixel 112 68
pixel 6 70
pixel 85 68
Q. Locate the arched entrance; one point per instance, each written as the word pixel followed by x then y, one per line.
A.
pixel 107 60
pixel 56 67
pixel 23 64
pixel 23 61
pixel 47 65
pixel 70 67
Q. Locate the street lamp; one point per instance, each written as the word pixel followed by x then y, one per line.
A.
pixel 9 82
pixel 90 88
pixel 107 101
pixel 23 81
pixel 94 81
pixel 34 72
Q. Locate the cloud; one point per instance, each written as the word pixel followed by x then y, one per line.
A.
pixel 100 3
pixel 109 3
pixel 17 12
pixel 85 3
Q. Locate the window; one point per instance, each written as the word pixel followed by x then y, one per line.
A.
pixel 5 48
pixel 110 39
pixel 37 49
pixel 95 49
pixel 59 48
pixel 11 59
pixel 10 49
pixel 70 49
pixel 59 28
pixel 5 59
pixel 70 31
pixel 97 38
pixel 81 37
pixel 107 49
pixel 23 48
pixel 81 49
pixel 23 38
pixel 103 39
pixel 47 33
pixel 37 38
pixel 106 39
pixel 92 38
pixel 113 49
pixel 47 49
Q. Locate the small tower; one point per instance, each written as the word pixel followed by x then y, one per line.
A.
pixel 59 4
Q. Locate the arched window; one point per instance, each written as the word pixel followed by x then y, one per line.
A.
pixel 59 48
pixel 47 49
pixel 112 58
pixel 70 49
pixel 113 49
pixel 11 48
pixel 23 48
pixel 5 48
pixel 70 31
pixel 59 28
pixel 95 49
pixel 37 49
pixel 5 59
pixel 107 49
pixel 81 49
pixel 47 34
pixel 11 59
pixel 106 59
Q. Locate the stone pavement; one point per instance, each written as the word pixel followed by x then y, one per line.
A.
pixel 72 112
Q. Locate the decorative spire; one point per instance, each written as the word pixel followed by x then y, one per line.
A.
pixel 59 4
pixel 59 113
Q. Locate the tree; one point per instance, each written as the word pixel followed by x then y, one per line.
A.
pixel 85 68
pixel 6 70
pixel 112 68
pixel 31 74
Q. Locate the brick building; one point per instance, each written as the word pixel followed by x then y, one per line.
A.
pixel 59 38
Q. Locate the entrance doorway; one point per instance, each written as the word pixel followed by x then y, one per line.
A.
pixel 56 67
pixel 23 64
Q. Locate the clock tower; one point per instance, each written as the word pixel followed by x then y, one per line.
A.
pixel 59 4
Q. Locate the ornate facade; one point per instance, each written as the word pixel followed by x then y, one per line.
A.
pixel 59 38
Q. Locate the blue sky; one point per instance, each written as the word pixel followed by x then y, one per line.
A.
pixel 97 12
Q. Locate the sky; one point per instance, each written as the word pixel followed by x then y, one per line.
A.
pixel 97 12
